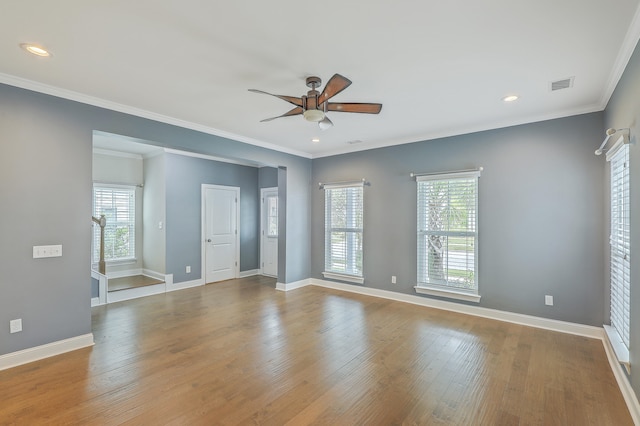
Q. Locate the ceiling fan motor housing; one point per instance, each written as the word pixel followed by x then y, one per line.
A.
pixel 313 82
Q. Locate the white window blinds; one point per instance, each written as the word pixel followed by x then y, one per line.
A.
pixel 447 231
pixel 117 204
pixel 343 229
pixel 620 242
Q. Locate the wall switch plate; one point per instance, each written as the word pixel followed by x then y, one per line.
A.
pixel 47 251
pixel 393 279
pixel 548 300
pixel 15 325
pixel 188 269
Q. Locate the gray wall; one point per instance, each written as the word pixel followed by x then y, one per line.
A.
pixel 45 187
pixel 268 177
pixel 540 214
pixel 623 111
pixel 154 212
pixel 184 178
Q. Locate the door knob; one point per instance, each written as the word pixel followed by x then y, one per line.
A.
pixel 209 240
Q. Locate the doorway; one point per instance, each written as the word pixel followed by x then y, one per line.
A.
pixel 269 231
pixel 220 237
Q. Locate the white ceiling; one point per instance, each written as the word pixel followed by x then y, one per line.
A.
pixel 439 68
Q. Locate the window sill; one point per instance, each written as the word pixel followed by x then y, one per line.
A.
pixel 343 277
pixel 450 294
pixel 619 348
pixel 127 261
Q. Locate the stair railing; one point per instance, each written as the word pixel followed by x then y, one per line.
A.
pixel 102 222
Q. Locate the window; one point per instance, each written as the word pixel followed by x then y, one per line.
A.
pixel 447 235
pixel 117 204
pixel 620 244
pixel 343 232
pixel 272 216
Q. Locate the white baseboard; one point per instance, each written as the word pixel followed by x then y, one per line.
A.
pixel 248 273
pixel 293 285
pixel 124 273
pixel 25 356
pixel 95 301
pixel 623 382
pixel 184 284
pixel 134 293
pixel 153 274
pixel 529 320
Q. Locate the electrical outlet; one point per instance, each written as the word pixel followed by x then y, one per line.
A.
pixel 548 300
pixel 188 269
pixel 15 325
pixel 393 279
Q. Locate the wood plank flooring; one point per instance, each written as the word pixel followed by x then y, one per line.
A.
pixel 240 352
pixel 134 281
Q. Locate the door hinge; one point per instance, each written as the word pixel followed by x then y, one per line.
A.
pixel 236 232
pixel 263 264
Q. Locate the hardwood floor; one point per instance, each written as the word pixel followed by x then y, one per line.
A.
pixel 134 281
pixel 240 352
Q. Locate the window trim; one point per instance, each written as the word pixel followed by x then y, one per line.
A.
pixel 339 275
pixel 433 289
pixel 614 335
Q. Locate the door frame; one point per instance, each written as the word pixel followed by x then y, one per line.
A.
pixel 203 237
pixel 262 227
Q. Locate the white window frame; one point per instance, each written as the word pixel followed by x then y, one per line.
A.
pixel 620 254
pixel 446 288
pixel 130 223
pixel 352 231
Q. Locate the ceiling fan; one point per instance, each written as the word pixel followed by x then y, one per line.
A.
pixel 314 105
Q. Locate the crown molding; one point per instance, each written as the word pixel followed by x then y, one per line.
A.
pixel 35 86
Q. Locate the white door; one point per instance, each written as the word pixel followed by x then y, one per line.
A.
pixel 269 231
pixel 220 226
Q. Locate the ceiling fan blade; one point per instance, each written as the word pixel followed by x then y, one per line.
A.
pixel 295 111
pixel 335 85
pixel 291 99
pixel 325 123
pixel 354 107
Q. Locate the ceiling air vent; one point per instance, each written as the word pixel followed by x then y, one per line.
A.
pixel 355 141
pixel 565 83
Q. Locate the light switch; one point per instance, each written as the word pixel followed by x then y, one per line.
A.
pixel 47 251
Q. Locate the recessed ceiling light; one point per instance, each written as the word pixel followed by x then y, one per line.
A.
pixel 315 140
pixel 35 49
pixel 510 98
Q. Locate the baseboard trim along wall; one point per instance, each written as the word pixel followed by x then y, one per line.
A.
pixel 248 273
pixel 623 383
pixel 294 285
pixel 134 293
pixel 184 284
pixel 529 320
pixel 25 356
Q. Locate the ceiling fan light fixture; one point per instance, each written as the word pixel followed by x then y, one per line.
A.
pixel 314 115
